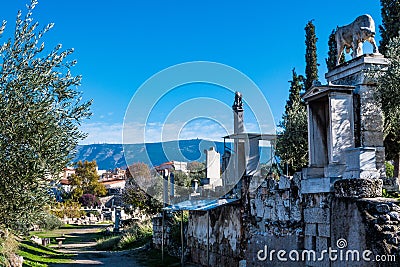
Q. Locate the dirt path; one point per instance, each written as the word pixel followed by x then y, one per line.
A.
pixel 88 256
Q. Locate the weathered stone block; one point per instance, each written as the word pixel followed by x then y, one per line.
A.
pixel 312 172
pixel 317 215
pixel 361 163
pixel 334 170
pixel 284 182
pixel 372 122
pixel 360 158
pixel 315 185
pixel 380 161
pixel 310 229
pixel 324 230
pixel 295 211
pixel 258 207
pixel 281 212
pixel 309 242
pixel 321 243
pixel 358 188
pixel 371 138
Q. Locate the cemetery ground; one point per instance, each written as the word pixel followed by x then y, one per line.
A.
pixel 88 245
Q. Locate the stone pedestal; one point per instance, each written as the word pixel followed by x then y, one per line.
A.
pixel 368 118
pixel 361 163
pixel 345 127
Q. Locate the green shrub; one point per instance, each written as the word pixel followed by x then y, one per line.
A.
pixel 108 243
pixel 138 234
pixel 176 226
pixel 50 222
pixel 69 209
pixel 389 169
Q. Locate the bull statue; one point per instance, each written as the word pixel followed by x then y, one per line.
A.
pixel 353 36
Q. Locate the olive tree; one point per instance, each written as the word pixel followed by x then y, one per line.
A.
pixel 41 110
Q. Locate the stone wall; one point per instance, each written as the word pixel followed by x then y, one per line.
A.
pixel 366 224
pixel 279 217
pixel 275 219
pixel 158 231
pixel 317 222
pixel 222 246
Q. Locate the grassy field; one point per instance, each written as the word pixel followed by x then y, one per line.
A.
pixel 36 255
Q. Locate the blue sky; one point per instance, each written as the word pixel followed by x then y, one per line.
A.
pixel 122 43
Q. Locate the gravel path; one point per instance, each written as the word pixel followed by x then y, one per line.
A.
pixel 87 256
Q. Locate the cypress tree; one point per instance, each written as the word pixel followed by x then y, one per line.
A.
pixel 292 143
pixel 311 55
pixel 390 23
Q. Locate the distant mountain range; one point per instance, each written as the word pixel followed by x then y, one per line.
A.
pixel 110 156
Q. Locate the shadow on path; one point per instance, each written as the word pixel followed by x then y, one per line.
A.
pixel 81 241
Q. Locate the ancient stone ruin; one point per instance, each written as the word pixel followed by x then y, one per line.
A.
pixel 329 214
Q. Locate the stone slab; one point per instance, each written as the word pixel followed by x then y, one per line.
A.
pixel 284 182
pixel 372 138
pixel 317 215
pixel 316 185
pixel 324 230
pixel 334 170
pixel 310 229
pixel 308 242
pixel 312 172
pixel 353 67
pixel 321 243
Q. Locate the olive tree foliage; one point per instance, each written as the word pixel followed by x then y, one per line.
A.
pixel 40 114
pixel 292 142
pixel 388 95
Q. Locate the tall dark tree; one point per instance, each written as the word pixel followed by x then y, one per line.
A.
pixel 39 122
pixel 388 94
pixel 390 10
pixel 292 143
pixel 332 52
pixel 311 55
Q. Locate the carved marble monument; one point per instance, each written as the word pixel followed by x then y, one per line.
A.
pixel 345 127
pixel 353 35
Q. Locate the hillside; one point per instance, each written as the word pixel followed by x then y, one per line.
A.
pixel 109 156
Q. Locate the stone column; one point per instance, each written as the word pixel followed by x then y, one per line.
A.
pixel 238 128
